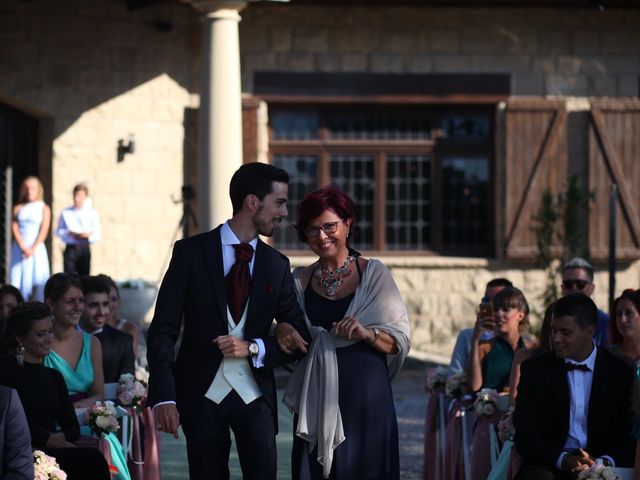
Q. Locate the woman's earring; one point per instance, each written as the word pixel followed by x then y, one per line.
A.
pixel 20 354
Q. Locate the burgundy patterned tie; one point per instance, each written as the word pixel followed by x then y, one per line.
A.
pixel 238 280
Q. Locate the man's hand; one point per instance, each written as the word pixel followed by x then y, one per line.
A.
pixel 577 462
pixel 58 440
pixel 232 347
pixel 289 339
pixel 167 418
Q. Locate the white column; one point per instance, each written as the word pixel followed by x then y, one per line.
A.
pixel 220 129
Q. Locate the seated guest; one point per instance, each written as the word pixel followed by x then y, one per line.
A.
pixel 490 362
pixel 577 276
pixel 117 346
pixel 77 355
pixel 43 393
pixel 524 354
pixel 114 318
pixel 10 296
pixel 573 404
pixel 625 330
pixel 460 355
pixel 16 459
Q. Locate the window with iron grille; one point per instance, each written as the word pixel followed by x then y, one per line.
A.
pixel 420 176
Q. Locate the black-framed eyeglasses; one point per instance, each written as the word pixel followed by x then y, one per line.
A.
pixel 328 228
pixel 580 284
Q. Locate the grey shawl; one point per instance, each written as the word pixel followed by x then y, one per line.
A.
pixel 312 391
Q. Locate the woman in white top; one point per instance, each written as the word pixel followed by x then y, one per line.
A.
pixel 30 227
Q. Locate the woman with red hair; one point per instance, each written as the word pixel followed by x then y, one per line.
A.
pixel 345 424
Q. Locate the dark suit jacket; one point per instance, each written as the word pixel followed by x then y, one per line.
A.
pixel 16 460
pixel 194 289
pixel 117 353
pixel 541 416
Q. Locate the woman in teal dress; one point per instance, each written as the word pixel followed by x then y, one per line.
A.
pixel 78 355
pixel 625 342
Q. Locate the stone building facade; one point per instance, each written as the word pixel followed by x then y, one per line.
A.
pixel 92 73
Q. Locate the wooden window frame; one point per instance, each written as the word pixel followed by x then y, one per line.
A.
pixel 323 147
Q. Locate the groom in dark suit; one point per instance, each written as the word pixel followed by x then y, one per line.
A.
pixel 222 377
pixel 573 404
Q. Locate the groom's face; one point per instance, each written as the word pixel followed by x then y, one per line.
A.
pixel 272 210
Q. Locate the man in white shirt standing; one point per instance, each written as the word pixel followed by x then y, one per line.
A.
pixel 78 228
pixel 573 404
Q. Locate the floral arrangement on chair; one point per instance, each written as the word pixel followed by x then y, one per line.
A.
pixel 101 418
pixel 486 403
pixel 598 472
pixel 132 389
pixel 436 377
pixel 46 467
pixel 506 430
pixel 456 385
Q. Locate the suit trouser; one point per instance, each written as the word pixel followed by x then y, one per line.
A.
pixel 206 428
pixel 77 259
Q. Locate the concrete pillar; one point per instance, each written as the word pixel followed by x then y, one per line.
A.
pixel 220 129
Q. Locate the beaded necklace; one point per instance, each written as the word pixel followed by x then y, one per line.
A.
pixel 332 280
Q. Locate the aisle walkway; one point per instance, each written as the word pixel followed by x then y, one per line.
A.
pixel 410 403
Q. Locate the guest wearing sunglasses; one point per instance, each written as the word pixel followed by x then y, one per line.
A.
pixel 577 276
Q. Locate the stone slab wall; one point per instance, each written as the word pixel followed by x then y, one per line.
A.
pixel 568 52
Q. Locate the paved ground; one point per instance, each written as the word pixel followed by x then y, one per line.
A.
pixel 410 407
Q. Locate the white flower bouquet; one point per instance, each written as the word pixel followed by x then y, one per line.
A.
pixel 46 467
pixel 506 430
pixel 436 377
pixel 486 403
pixel 598 471
pixel 132 389
pixel 456 385
pixel 101 418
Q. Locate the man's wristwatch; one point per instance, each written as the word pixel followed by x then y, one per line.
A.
pixel 253 349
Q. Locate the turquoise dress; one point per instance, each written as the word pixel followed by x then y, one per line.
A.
pixel 79 381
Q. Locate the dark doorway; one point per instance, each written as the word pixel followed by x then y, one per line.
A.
pixel 18 159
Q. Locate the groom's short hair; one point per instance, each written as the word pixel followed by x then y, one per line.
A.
pixel 254 179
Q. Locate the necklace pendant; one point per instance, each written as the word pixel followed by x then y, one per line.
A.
pixel 331 292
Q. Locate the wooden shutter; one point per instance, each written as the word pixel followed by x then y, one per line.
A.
pixel 614 157
pixel 535 160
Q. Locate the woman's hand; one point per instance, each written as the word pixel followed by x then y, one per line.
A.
pixel 27 252
pixel 58 440
pixel 352 329
pixel 289 339
pixel 84 403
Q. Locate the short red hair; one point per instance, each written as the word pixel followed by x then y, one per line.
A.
pixel 634 297
pixel 325 198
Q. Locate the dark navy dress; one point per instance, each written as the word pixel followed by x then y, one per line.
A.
pixel 370 449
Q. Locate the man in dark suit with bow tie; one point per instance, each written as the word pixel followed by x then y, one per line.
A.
pixel 117 346
pixel 573 404
pixel 225 287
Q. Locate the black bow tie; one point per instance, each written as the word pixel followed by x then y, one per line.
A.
pixel 576 366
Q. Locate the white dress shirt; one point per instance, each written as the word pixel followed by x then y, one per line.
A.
pixel 79 220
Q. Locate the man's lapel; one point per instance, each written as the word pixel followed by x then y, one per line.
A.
pixel 212 246
pixel 597 397
pixel 562 395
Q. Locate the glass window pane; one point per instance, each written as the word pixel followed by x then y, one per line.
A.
pixel 354 174
pixel 467 127
pixel 378 124
pixel 408 202
pixel 303 178
pixel 465 203
pixel 294 124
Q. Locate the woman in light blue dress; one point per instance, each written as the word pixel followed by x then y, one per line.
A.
pixel 78 355
pixel 30 227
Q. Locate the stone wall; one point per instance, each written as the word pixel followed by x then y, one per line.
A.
pixel 568 52
pixel 101 73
